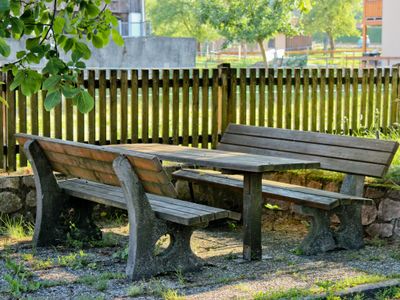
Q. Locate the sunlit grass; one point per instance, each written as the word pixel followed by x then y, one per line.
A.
pixel 15 228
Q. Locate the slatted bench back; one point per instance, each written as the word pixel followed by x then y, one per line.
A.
pixel 360 156
pixel 94 163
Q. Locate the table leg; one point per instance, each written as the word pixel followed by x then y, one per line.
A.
pixel 252 209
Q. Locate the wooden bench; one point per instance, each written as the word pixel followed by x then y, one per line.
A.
pixel 125 179
pixel 357 157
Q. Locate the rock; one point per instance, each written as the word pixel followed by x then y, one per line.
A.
pixel 335 219
pixel 394 194
pixel 396 229
pixel 314 184
pixel 374 193
pixel 28 181
pixel 389 210
pixel 332 187
pixel 369 213
pixel 285 178
pixel 183 190
pixel 9 182
pixel 30 199
pixel 299 180
pixel 382 230
pixel 9 202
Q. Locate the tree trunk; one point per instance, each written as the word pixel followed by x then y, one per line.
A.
pixel 331 43
pixel 264 56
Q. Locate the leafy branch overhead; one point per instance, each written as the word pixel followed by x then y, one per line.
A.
pixel 56 32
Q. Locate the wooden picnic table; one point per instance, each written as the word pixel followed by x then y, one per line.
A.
pixel 252 167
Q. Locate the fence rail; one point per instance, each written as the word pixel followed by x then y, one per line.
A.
pixel 194 106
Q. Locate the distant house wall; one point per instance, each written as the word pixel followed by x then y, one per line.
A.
pixel 391 29
pixel 137 53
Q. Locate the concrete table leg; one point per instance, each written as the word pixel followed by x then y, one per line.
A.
pixel 252 210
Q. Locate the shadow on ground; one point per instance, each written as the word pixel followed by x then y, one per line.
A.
pixel 97 272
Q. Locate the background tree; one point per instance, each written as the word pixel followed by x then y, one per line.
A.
pixel 55 32
pixel 252 20
pixel 179 18
pixel 333 17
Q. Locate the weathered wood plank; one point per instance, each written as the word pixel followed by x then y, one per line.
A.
pixel 102 107
pixel 243 97
pixel 297 102
pixel 261 104
pixel 252 90
pixel 386 104
pixel 330 108
pixel 346 117
pixel 195 108
pixel 204 109
pixel 155 95
pixel 80 117
pixel 279 103
pixel 289 116
pixel 124 106
pixel 11 123
pixel 113 107
pixel 305 100
pixel 271 98
pixel 314 137
pixel 214 111
pixel 354 103
pixel 92 113
pixel 314 99
pixel 165 107
pixel 175 107
pixel 134 106
pixel 23 123
pixel 322 102
pixel 185 108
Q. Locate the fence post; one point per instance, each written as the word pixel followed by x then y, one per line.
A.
pixel 224 96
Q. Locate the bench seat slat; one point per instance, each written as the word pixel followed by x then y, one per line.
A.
pixel 173 210
pixel 327 163
pixel 314 137
pixel 297 194
pixel 315 149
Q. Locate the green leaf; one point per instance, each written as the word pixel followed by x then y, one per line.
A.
pixel 4 5
pixel 69 44
pixel 54 65
pixel 92 10
pixel 69 91
pixel 52 100
pixel 20 54
pixel 15 7
pixel 80 65
pixel 97 41
pixel 17 25
pixel 51 82
pixel 5 49
pixel 31 43
pixel 18 79
pixel 84 102
pixel 83 49
pixel 58 25
pixel 117 38
pixel 32 83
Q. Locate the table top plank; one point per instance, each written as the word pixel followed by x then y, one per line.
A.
pixel 235 161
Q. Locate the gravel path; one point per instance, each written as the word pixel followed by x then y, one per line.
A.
pixel 98 272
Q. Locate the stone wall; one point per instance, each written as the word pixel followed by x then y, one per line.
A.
pixel 18 197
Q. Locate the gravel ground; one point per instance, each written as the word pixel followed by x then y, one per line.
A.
pixel 98 272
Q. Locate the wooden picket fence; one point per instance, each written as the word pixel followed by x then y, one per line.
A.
pixel 192 107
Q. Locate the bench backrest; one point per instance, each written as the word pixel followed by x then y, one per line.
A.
pixel 94 163
pixel 360 156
